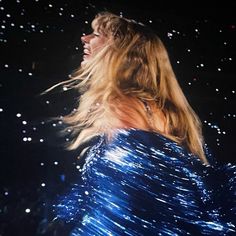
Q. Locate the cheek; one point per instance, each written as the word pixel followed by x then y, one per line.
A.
pixel 96 45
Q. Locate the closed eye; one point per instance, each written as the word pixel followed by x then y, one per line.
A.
pixel 96 34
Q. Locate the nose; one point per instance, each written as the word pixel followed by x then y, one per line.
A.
pixel 85 39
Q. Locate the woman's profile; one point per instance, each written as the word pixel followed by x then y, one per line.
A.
pixel 148 172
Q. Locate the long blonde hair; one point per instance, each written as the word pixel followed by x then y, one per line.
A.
pixel 132 70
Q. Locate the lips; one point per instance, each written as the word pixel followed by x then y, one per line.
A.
pixel 86 51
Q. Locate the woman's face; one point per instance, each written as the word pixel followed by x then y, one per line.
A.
pixel 92 43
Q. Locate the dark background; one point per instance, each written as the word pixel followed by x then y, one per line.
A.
pixel 40 46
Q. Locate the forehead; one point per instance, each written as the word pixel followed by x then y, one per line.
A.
pixel 95 24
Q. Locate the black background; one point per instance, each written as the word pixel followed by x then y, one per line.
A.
pixel 43 47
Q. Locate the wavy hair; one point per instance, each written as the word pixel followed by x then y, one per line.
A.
pixel 130 83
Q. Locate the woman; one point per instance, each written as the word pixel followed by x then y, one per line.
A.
pixel 146 170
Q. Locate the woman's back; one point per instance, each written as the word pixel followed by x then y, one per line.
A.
pixel 142 183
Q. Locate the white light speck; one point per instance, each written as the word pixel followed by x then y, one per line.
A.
pixel 72 15
pixel 21 26
pixel 25 139
pixel 189 83
pixel 3 26
pixel 217 90
pixel 30 74
pixel 6 65
pixel 86 193
pixel 8 15
pixel 24 122
pixel 188 50
pixel 50 5
pixel 42 164
pixel 20 70
pixel 219 69
pixel 196 30
pixel 1 110
pixel 177 62
pixel 65 88
pixel 27 210
pixel 23 131
pixel 225 43
pixel 233 91
pixel 55 163
pixel 78 167
pixel 202 65
pixel 150 21
pixel 43 184
pixel 223 132
pixel 54 125
pixel 41 140
pixel 18 115
pixel 29 139
pixel 12 24
pixel 230 59
pixel 86 22
pixel 6 193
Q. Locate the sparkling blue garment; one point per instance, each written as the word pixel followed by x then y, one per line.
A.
pixel 142 183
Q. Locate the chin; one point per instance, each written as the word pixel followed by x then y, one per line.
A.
pixel 83 62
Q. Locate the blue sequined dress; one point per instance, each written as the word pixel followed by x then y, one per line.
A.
pixel 143 183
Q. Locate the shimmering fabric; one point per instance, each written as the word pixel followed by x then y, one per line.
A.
pixel 142 183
